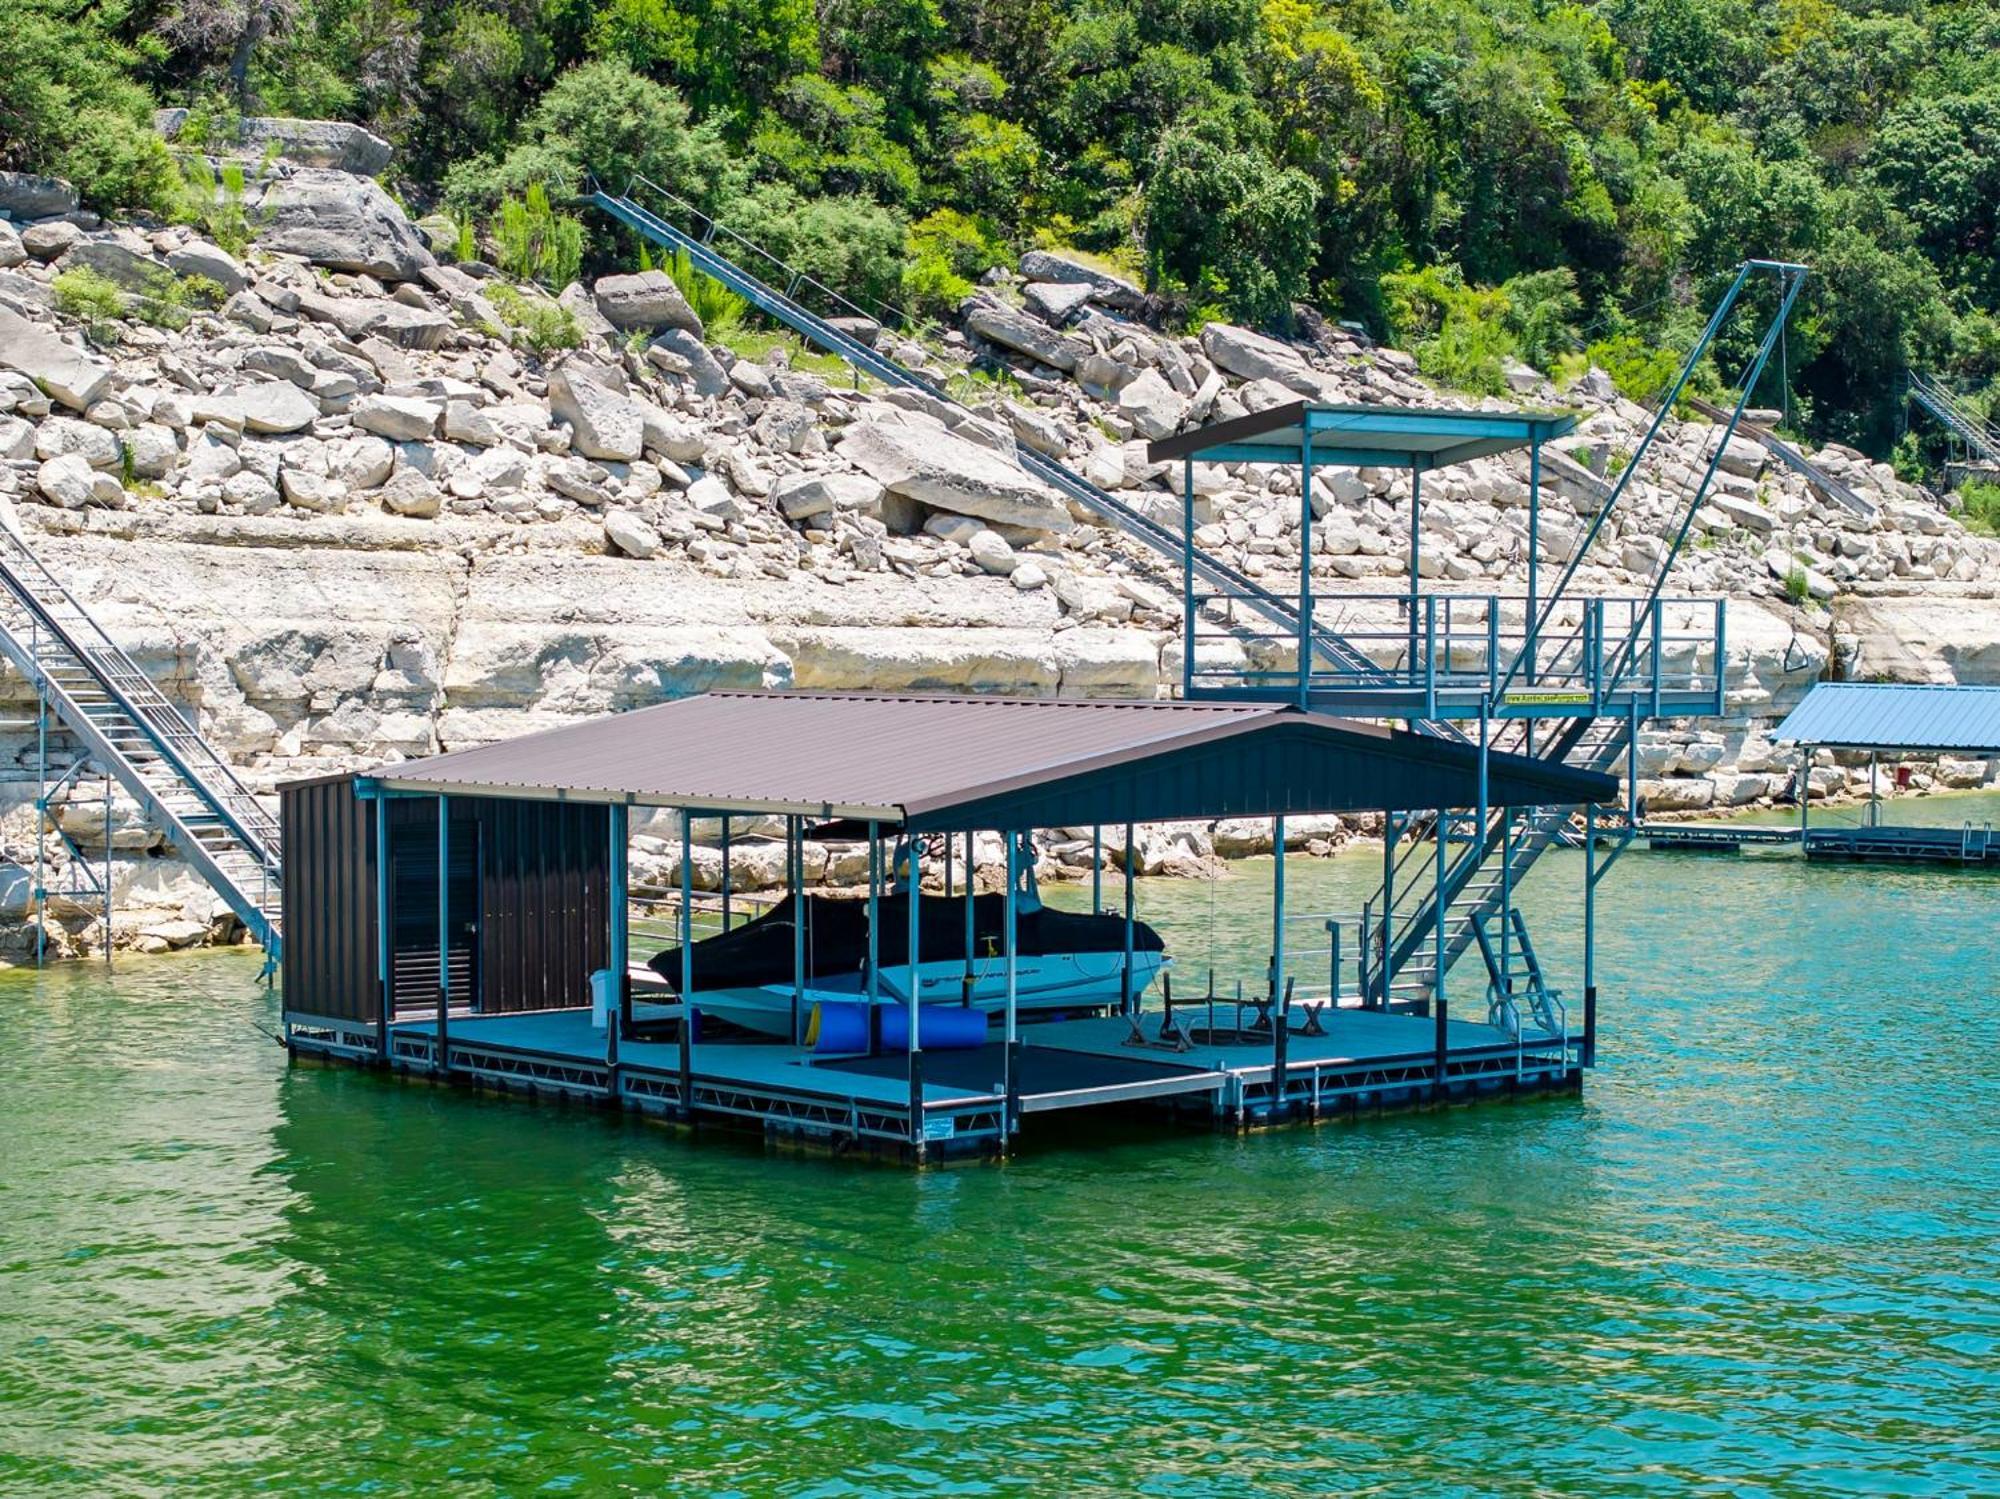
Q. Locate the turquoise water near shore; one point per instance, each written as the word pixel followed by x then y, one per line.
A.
pixel 1756 1257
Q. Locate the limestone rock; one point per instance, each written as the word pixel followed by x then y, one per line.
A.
pixel 1055 300
pixel 398 418
pixel 341 221
pixel 68 481
pixel 66 373
pixel 51 239
pixel 114 260
pixel 1002 325
pixel 946 472
pixel 682 353
pixel 647 301
pixel 12 251
pixel 23 195
pixel 606 425
pixel 1105 289
pixel 311 491
pixel 200 258
pixel 627 532
pixel 1154 406
pixel 60 436
pixel 803 496
pixel 465 422
pixel 1255 357
pixel 332 144
pixel 409 493
pixel 269 407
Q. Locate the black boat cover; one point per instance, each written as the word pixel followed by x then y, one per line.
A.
pixel 760 952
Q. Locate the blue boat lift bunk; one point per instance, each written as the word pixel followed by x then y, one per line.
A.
pixel 1421 655
pixel 506 869
pixel 1894 719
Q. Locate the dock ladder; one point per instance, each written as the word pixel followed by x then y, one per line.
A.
pixel 137 736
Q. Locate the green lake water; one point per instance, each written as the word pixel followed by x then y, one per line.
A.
pixel 1759 1256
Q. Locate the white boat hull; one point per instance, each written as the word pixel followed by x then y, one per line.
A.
pixel 1053 981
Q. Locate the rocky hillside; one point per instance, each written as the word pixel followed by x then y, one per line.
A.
pixel 346 514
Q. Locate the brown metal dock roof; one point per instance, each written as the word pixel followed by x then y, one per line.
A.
pixel 948 763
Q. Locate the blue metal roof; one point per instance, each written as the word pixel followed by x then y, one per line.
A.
pixel 1363 436
pixel 1892 716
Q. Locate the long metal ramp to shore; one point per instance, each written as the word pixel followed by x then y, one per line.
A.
pixel 141 739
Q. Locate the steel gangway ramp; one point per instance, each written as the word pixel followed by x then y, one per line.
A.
pixel 1795 460
pixel 1480 880
pixel 141 739
pixel 701 250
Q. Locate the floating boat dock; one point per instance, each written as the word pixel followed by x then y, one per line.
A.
pixel 516 855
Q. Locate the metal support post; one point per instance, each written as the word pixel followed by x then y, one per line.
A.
pixel 1590 934
pixel 1305 565
pixel 1125 995
pixel 874 920
pixel 1280 994
pixel 41 820
pixel 618 897
pixel 971 930
pixel 686 1057
pixel 444 936
pixel 914 967
pixel 384 937
pixel 1438 909
pixel 1534 551
pixel 1096 869
pixel 725 872
pixel 1387 966
pixel 1416 532
pixel 1010 1116
pixel 795 857
pixel 1187 577
pixel 107 871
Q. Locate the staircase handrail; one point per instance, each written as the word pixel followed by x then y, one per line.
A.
pixel 264 842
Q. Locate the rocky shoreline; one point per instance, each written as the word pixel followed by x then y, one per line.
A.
pixel 345 515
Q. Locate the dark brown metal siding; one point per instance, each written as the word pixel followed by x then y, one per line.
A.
pixel 329 915
pixel 544 912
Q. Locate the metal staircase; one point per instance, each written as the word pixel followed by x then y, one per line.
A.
pixel 1979 437
pixel 131 729
pixel 1424 928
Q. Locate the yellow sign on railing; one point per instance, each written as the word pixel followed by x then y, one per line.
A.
pixel 1546 697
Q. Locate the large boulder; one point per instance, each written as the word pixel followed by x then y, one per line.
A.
pixel 66 374
pixel 362 318
pixel 680 352
pixel 398 418
pixel 803 496
pixel 1106 290
pixel 116 261
pixel 331 144
pixel 200 258
pixel 1153 405
pixel 343 222
pixel 646 301
pixel 603 424
pixel 270 407
pixel 23 195
pixel 1252 356
pixel 1002 325
pixel 945 471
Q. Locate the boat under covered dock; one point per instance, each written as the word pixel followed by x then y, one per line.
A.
pixel 446 917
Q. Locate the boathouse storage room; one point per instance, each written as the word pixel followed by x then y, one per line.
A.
pixel 928 1022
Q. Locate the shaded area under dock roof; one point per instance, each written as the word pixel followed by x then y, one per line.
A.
pixel 1894 717
pixel 961 763
pixel 1363 436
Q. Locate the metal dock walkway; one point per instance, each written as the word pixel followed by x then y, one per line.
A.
pixel 131 729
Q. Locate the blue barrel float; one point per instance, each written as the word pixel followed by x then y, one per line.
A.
pixel 842 1026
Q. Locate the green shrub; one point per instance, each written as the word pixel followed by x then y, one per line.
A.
pixel 1639 369
pixel 1797 587
pixel 467 247
pixel 533 242
pixel 1982 507
pixel 213 202
pixel 948 249
pixel 850 245
pixel 534 323
pixel 721 311
pixel 93 300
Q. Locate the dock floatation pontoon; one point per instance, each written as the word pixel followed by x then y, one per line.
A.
pixel 1066 963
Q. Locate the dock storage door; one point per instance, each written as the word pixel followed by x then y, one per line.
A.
pixel 413 875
